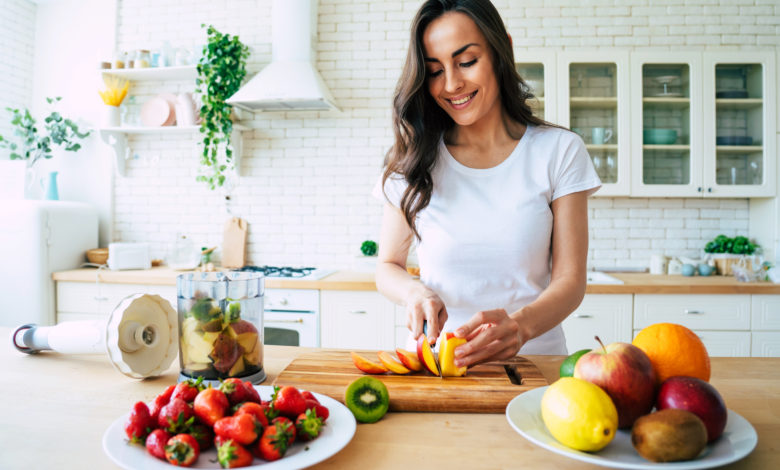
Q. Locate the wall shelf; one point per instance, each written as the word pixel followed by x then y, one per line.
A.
pixel 183 72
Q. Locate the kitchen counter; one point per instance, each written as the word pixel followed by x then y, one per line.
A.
pixel 634 283
pixel 55 409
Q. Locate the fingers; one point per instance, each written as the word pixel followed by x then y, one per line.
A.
pixel 495 336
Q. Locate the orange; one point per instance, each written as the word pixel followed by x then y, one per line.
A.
pixel 674 350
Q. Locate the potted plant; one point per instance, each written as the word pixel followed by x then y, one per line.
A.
pixel 33 144
pixel 220 72
pixel 726 251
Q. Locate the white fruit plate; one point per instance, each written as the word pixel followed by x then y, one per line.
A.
pixel 336 434
pixel 525 416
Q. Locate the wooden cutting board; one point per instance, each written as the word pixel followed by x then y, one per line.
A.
pixel 486 388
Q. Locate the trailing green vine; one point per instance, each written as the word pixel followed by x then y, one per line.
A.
pixel 220 72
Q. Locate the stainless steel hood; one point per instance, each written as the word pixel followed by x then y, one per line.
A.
pixel 290 82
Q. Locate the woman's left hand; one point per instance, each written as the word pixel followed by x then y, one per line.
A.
pixel 491 335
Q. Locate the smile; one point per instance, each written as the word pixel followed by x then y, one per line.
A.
pixel 462 101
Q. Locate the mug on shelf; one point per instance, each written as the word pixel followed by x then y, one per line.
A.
pixel 600 135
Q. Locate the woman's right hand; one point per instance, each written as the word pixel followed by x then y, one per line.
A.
pixel 426 306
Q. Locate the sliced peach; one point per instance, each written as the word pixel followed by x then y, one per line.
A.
pixel 367 366
pixel 409 359
pixel 447 356
pixel 426 356
pixel 389 361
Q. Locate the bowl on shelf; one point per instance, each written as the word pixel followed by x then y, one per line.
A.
pixel 659 136
pixel 97 255
pixel 734 140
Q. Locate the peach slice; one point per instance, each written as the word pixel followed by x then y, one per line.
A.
pixel 389 361
pixel 447 356
pixel 426 356
pixel 409 359
pixel 367 366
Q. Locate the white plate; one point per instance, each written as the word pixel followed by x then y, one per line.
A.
pixel 525 416
pixel 336 434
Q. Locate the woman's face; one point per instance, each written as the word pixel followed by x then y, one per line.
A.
pixel 460 68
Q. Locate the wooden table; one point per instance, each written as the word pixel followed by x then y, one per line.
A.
pixel 55 409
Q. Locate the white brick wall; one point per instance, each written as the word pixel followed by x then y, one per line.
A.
pixel 306 177
pixel 17 38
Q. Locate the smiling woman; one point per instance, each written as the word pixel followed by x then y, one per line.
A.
pixel 480 182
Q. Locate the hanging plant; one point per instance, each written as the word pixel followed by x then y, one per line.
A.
pixel 220 72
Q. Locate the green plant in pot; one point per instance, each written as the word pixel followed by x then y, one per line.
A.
pixel 220 72
pixel 727 251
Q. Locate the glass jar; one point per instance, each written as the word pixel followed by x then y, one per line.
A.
pixel 221 325
pixel 142 59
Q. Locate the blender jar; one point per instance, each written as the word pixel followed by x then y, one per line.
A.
pixel 221 325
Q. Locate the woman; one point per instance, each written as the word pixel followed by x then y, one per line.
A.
pixel 496 197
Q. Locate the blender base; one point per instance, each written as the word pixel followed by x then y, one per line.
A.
pixel 256 378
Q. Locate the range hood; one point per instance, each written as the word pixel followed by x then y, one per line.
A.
pixel 290 82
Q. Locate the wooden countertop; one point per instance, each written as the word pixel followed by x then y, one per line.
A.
pixel 55 409
pixel 634 283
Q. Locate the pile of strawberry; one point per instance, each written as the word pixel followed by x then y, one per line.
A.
pixel 188 418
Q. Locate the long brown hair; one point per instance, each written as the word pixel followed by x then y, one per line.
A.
pixel 419 122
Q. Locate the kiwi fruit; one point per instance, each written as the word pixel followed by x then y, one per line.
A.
pixel 367 399
pixel 669 435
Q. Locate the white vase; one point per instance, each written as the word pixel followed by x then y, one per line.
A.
pixel 111 116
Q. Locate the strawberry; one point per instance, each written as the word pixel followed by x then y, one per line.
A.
pixel 188 389
pixel 182 450
pixel 176 416
pixel 210 405
pixel 139 423
pixel 308 425
pixel 288 425
pixel 235 391
pixel 258 411
pixel 156 441
pixel 307 395
pixel 160 401
pixel 322 411
pixel 289 402
pixel 273 443
pixel 252 392
pixel 203 434
pixel 243 428
pixel 231 454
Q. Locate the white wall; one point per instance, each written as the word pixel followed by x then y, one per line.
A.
pixel 307 177
pixel 17 42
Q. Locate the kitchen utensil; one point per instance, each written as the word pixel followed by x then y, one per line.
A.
pixel 486 388
pixel 338 432
pixel 600 135
pixel 734 140
pixel 221 318
pixel 659 136
pixel 97 255
pixel 525 416
pixel 186 111
pixel 139 336
pixel 666 82
pixel 234 243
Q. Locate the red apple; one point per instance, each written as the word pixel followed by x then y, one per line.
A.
pixel 698 397
pixel 625 373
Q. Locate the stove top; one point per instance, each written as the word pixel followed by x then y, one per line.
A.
pixel 289 272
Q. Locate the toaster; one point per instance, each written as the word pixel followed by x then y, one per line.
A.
pixel 123 255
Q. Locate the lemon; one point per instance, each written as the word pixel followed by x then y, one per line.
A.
pixel 579 414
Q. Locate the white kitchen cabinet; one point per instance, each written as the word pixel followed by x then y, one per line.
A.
pixel 605 315
pixel 96 300
pixel 765 344
pixel 538 68
pixel 697 312
pixel 765 324
pixel 357 320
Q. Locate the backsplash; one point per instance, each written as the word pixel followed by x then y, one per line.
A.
pixel 306 178
pixel 17 39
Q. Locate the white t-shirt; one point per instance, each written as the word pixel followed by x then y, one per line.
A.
pixel 486 233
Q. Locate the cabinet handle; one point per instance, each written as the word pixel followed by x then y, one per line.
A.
pixel 582 315
pixel 100 298
pixel 688 311
pixel 709 190
pixel 361 312
pixel 297 320
pixel 698 189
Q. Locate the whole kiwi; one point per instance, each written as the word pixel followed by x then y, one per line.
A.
pixel 669 435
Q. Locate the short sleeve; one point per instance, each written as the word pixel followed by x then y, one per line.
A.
pixel 393 189
pixel 574 169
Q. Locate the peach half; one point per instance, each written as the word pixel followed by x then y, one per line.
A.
pixel 426 356
pixel 409 359
pixel 367 366
pixel 389 361
pixel 447 356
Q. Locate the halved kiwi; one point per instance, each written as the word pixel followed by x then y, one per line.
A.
pixel 367 399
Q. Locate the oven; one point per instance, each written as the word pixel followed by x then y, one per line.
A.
pixel 292 317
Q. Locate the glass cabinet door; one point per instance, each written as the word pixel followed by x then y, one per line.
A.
pixel 533 76
pixel 538 70
pixel 596 108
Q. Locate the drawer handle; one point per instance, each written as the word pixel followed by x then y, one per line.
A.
pixel 692 312
pixel 361 312
pixel 98 298
pixel 582 315
pixel 297 320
